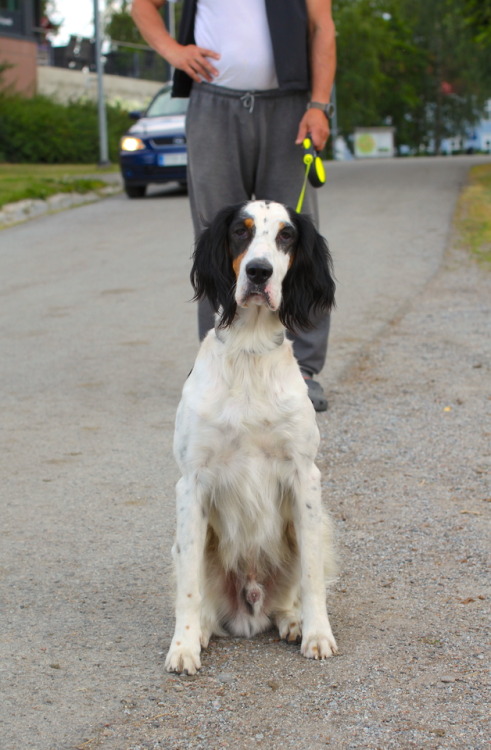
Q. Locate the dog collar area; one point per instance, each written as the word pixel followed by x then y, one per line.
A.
pixel 276 341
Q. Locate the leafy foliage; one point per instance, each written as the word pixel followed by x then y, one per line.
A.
pixel 121 26
pixel 41 131
pixel 135 55
pixel 478 17
pixel 412 64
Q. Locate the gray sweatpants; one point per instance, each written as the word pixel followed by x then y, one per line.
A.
pixel 242 146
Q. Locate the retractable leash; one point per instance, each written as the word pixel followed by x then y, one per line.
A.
pixel 314 170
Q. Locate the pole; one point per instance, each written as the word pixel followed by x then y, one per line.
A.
pixel 101 107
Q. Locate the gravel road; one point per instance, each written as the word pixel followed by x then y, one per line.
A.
pixel 97 337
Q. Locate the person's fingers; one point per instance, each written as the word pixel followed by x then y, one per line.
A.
pixel 315 124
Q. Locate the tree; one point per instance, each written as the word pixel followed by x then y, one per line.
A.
pixel 454 86
pixel 477 14
pixel 379 67
pixel 120 25
pixel 410 63
pixel 47 10
pixel 135 57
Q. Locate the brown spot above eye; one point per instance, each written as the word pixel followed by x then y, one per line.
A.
pixel 236 264
pixel 249 223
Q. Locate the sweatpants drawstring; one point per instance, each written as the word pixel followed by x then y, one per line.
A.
pixel 248 101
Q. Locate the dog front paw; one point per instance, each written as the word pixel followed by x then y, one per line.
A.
pixel 318 645
pixel 183 657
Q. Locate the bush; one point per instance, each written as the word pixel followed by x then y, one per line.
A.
pixel 42 131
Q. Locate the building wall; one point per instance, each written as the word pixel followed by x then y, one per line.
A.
pixel 22 56
pixel 69 85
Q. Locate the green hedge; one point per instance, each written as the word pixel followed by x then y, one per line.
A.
pixel 42 131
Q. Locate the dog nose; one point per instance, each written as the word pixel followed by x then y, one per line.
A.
pixel 259 271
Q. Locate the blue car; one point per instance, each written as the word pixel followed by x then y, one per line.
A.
pixel 154 148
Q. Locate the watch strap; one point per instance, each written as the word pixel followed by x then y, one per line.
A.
pixel 328 108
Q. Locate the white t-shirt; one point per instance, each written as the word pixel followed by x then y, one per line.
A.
pixel 238 30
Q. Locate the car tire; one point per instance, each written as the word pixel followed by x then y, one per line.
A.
pixel 134 191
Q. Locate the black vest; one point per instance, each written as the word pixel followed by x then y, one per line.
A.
pixel 288 27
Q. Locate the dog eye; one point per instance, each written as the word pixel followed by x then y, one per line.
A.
pixel 241 232
pixel 286 234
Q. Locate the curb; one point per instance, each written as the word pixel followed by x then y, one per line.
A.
pixel 17 213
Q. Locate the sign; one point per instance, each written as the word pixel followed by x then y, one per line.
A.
pixel 374 143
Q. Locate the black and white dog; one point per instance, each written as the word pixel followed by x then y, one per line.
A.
pixel 253 543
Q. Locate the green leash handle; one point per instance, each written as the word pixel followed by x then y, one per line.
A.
pixel 314 170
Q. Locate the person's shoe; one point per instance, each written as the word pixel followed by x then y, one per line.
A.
pixel 316 394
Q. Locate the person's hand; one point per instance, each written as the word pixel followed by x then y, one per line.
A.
pixel 314 123
pixel 195 61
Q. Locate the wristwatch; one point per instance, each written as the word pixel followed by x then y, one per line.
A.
pixel 328 108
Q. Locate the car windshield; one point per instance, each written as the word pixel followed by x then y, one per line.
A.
pixel 164 104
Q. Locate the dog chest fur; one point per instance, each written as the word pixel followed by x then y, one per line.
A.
pixel 252 420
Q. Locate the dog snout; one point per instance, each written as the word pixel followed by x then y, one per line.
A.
pixel 259 271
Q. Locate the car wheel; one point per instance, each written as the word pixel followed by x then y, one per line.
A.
pixel 134 191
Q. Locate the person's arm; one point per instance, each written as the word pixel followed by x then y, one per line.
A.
pixel 191 59
pixel 322 70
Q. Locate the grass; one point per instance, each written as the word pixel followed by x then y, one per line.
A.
pixel 474 213
pixel 21 181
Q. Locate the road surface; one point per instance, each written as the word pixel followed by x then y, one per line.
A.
pixel 97 335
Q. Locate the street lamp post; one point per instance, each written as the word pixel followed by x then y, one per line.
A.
pixel 101 105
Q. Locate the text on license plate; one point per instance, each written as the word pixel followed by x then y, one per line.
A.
pixel 172 160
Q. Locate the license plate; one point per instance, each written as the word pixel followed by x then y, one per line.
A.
pixel 173 160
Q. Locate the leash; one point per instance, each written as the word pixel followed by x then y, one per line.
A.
pixel 314 170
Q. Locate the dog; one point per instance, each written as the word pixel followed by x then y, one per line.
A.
pixel 253 541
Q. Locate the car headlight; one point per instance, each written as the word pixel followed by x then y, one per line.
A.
pixel 130 143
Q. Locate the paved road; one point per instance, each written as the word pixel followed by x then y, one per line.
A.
pixel 96 338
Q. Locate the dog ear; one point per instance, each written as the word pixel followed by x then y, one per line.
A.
pixel 212 275
pixel 308 287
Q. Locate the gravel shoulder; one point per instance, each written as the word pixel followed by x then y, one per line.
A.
pixel 88 515
pixel 406 465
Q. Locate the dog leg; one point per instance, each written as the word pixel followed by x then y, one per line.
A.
pixel 188 552
pixel 289 624
pixel 317 638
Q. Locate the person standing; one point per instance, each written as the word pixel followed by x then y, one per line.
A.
pixel 259 76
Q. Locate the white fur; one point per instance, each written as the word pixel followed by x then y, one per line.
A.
pixel 268 219
pixel 252 543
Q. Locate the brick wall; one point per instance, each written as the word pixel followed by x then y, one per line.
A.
pixel 22 56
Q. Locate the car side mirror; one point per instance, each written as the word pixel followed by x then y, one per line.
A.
pixel 135 115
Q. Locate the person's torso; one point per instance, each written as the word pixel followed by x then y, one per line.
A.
pixel 239 32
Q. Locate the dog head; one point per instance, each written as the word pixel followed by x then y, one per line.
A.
pixel 262 253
